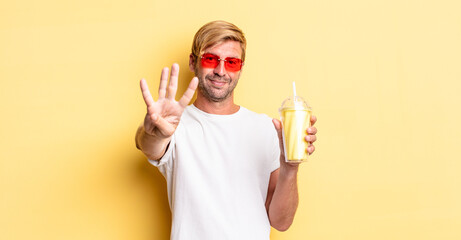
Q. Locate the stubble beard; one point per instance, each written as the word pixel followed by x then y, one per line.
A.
pixel 214 94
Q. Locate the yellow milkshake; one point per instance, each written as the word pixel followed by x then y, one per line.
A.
pixel 295 115
pixel 295 122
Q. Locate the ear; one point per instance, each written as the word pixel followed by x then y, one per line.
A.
pixel 191 62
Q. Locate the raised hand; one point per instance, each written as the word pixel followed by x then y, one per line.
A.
pixel 163 115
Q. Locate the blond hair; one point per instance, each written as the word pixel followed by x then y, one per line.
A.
pixel 217 32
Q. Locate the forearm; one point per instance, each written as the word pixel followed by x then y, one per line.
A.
pixel 153 147
pixel 284 202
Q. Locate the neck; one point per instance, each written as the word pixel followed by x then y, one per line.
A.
pixel 225 107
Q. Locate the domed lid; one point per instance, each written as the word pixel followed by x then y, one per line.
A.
pixel 295 102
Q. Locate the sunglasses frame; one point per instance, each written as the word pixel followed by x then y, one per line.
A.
pixel 226 60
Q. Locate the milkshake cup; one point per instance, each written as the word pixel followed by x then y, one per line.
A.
pixel 295 114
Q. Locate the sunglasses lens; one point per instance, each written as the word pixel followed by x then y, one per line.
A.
pixel 233 64
pixel 212 61
pixel 209 61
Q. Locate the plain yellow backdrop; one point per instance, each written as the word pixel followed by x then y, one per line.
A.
pixel 383 77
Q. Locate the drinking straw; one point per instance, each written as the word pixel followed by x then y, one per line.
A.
pixel 294 89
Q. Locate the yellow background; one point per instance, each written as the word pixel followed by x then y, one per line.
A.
pixel 383 77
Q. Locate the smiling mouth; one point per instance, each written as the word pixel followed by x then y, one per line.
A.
pixel 217 83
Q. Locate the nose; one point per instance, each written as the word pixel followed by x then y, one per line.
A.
pixel 220 70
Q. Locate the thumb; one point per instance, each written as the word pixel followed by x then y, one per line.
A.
pixel 278 128
pixel 277 125
pixel 164 127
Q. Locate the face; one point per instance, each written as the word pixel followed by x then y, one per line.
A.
pixel 217 84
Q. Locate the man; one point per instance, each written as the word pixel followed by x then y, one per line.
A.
pixel 226 174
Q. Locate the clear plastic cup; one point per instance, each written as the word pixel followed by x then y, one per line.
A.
pixel 295 114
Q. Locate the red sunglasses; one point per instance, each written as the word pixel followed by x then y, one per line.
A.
pixel 231 64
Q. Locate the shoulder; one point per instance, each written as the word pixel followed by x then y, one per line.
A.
pixel 258 121
pixel 259 117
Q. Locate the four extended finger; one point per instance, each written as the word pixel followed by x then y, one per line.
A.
pixel 163 83
pixel 146 93
pixel 189 93
pixel 173 86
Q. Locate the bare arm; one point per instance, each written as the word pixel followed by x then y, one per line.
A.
pixel 282 195
pixel 152 147
pixel 162 117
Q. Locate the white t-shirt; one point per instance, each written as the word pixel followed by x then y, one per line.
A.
pixel 217 169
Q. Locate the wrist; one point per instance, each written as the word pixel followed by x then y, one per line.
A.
pixel 289 168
